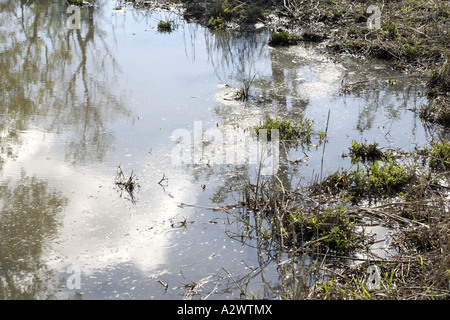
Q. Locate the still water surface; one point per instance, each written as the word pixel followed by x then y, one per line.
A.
pixel 76 104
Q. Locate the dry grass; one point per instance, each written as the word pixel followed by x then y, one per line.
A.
pixel 130 184
pixel 322 236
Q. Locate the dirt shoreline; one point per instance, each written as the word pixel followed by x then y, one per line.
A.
pixel 406 33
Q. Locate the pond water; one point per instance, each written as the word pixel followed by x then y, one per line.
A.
pixel 78 103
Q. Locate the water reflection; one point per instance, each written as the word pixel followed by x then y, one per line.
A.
pixel 54 81
pixel 68 119
pixel 29 217
pixel 67 76
pixel 296 81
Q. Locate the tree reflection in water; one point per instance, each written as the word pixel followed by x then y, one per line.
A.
pixel 28 218
pixel 61 81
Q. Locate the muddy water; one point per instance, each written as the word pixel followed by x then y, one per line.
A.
pixel 78 103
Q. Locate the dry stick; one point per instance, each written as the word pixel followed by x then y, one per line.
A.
pixel 324 144
pixel 224 208
pixel 321 161
pixel 212 291
pixel 393 216
pixel 162 179
pixel 399 203
pixel 231 276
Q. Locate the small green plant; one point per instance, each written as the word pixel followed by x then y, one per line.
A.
pixel 290 132
pixel 221 8
pixel 255 13
pixel 436 111
pixel 365 152
pixel 384 177
pixel 165 26
pixel 323 136
pixel 439 81
pixel 216 23
pixel 388 177
pixel 283 39
pixel 221 12
pixel 439 156
pixel 243 92
pixel 392 29
pixel 331 228
pixel 279 38
pixel 359 177
pixel 409 50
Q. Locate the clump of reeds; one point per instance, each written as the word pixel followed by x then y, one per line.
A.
pixel 439 81
pixel 243 92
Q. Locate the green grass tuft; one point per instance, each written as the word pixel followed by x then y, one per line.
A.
pixel 165 26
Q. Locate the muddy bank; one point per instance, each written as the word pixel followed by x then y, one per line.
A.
pixel 407 34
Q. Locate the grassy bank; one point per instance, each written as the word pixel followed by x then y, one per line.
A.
pixel 321 228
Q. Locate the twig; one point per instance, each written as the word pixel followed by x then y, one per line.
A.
pixel 231 276
pixel 162 179
pixel 393 216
